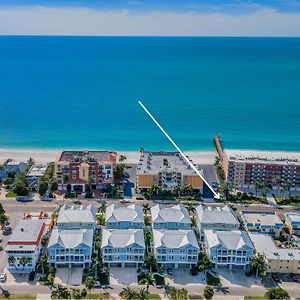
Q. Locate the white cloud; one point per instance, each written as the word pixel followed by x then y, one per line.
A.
pixel 40 20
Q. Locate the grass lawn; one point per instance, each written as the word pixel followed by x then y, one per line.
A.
pixel 212 280
pixel 255 298
pixel 101 296
pixel 25 297
pixel 154 297
pixel 10 194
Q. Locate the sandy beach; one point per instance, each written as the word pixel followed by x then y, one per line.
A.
pixel 43 156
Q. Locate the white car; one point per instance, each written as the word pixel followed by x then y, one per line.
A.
pixel 2 277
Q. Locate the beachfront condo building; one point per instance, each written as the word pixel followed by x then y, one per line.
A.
pixel 245 167
pixel 170 217
pixel 124 217
pixel 215 218
pixel 228 248
pixel 277 260
pixel 75 168
pixel 24 247
pixel 123 247
pixel 165 169
pixel 175 248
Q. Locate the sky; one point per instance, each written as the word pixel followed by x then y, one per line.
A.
pixel 151 17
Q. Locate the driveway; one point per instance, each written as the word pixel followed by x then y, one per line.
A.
pixel 71 276
pixel 237 278
pixel 184 277
pixel 120 275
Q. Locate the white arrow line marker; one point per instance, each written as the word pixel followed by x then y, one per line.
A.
pixel 178 149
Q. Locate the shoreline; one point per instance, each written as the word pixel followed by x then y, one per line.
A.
pixel 43 156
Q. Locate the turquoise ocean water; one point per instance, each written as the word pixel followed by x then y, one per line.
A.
pixel 82 92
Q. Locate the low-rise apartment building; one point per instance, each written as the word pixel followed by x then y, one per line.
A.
pixel 25 242
pixel 278 260
pixel 228 248
pixel 170 217
pixel 267 222
pixel 124 217
pixel 292 222
pixel 76 167
pixel 70 248
pixel 123 247
pixel 215 218
pixel 175 248
pixel 167 170
pixel 71 217
pixel 245 167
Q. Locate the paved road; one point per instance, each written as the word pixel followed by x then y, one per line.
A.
pixel 192 289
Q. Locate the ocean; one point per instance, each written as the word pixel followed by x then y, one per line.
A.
pixel 83 92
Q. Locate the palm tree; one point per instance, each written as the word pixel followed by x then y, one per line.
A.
pixel 60 292
pixel 208 292
pixel 122 158
pixel 150 261
pixel 258 263
pixel 128 293
pixel 148 279
pixel 142 294
pixel 148 238
pixel 276 181
pixel 12 261
pixel 3 219
pixel 23 260
pixel 257 186
pixel 89 283
pixel 191 208
pixel 102 208
pixel 146 208
pixel 204 262
pixel 76 293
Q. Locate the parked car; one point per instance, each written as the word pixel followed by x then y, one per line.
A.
pixel 2 277
pixel 275 277
pixel 294 277
pixel 97 284
pixel 170 271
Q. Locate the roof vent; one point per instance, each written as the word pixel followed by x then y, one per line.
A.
pixel 22 229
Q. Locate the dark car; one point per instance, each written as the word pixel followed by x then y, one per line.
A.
pixel 170 271
pixel 275 277
pixel 294 277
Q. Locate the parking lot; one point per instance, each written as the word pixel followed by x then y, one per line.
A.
pixel 120 275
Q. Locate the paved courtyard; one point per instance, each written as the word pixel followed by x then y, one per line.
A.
pixel 123 276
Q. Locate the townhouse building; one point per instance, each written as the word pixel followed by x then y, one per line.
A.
pixel 71 241
pixel 215 218
pixel 245 167
pixel 277 260
pixel 25 242
pixel 267 222
pixel 228 248
pixel 82 217
pixel 292 222
pixel 175 248
pixel 125 248
pixel 167 170
pixel 124 217
pixel 170 217
pixel 76 167
pixel 70 248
